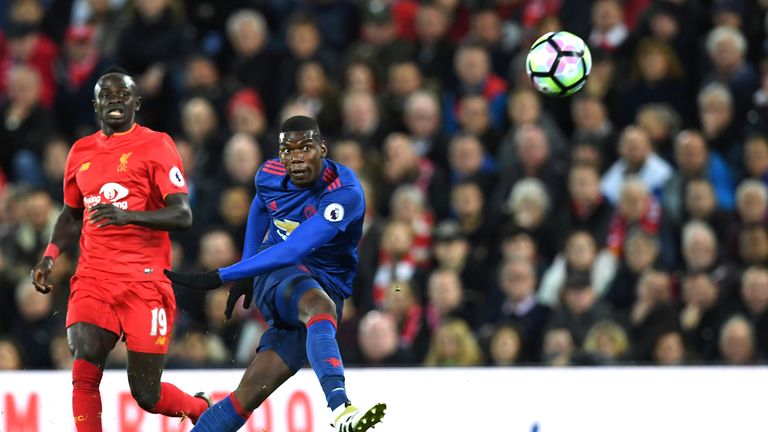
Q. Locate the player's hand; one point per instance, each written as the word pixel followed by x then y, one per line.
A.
pixel 39 275
pixel 197 281
pixel 106 214
pixel 242 287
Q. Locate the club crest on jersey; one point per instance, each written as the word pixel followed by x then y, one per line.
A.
pixel 123 165
pixel 334 212
pixel 85 166
pixel 309 211
pixel 285 227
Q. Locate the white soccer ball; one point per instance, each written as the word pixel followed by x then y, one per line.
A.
pixel 558 63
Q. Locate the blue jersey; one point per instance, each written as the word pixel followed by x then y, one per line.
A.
pixel 317 226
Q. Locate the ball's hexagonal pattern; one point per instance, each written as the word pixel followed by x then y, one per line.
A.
pixel 559 63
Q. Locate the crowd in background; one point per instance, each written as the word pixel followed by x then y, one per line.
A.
pixel 623 225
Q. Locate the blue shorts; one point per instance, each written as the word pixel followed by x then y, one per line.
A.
pixel 277 295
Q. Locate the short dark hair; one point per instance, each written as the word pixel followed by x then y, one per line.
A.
pixel 114 69
pixel 300 123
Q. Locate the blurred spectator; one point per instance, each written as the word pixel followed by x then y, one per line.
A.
pixel 606 343
pixel 248 35
pixel 591 124
pixel 11 357
pixel 652 313
pixel 636 157
pixel 61 358
pixel 404 80
pixel 395 260
pixel 737 342
pixel 662 124
pixel 226 330
pixel 315 90
pixel 409 205
pixel 196 350
pixel 379 342
pixel 434 51
pixel 402 300
pixel 35 326
pixel 753 245
pixel 468 161
pixel 474 119
pixel 358 76
pixel 701 204
pixel 756 158
pixel 475 78
pixel 587 208
pixel 25 127
pixel 657 77
pixel 468 206
pixel 669 349
pixel 32 234
pixel 247 114
pixel 503 346
pixel 403 165
pixel 580 254
pixel 361 120
pixel 446 297
pixel 524 107
pixel 453 345
pixel 754 304
pixel 54 163
pixel 202 78
pixel 77 73
pixel 531 209
pixel 636 208
pixel 489 29
pixel 719 122
pixel 241 160
pixel 751 208
pixel 515 301
pixel 580 309
pixel 609 32
pixel 305 44
pixel 31 48
pixel 234 205
pixel 641 253
pixel 701 315
pixel 726 48
pixel 421 118
pixel 693 160
pixel 559 347
pixel 452 251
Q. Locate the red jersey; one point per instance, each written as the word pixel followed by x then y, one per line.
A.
pixel 134 170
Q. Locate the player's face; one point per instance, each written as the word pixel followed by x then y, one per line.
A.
pixel 302 153
pixel 116 101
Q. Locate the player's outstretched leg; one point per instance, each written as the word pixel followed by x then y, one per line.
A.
pixel 144 372
pixel 318 311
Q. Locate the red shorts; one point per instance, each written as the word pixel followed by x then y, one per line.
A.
pixel 141 310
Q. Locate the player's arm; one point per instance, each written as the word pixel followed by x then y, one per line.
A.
pixel 176 215
pixel 66 233
pixel 256 227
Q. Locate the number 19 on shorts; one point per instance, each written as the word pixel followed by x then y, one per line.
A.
pixel 159 322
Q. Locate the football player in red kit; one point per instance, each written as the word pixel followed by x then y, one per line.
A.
pixel 124 189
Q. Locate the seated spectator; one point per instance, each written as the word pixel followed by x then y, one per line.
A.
pixel 606 343
pixel 404 301
pixel 751 208
pixel 753 303
pixel 559 347
pixel 756 158
pixel 753 245
pixel 515 301
pixel 503 346
pixel 61 358
pixel 468 206
pixel 652 312
pixel 701 315
pixel 636 208
pixel 396 262
pixel 694 161
pixel 11 357
pixel 451 250
pixel 54 163
pixel 241 159
pixel 592 124
pixel 421 118
pixel 531 209
pixel 580 308
pixel 474 119
pixel 316 91
pixel 247 114
pixel 409 206
pixel 453 344
pixel 36 324
pixel 405 79
pixel 720 123
pixel 468 160
pixel 669 349
pixel 641 253
pixel 588 209
pixel 737 342
pixel 446 298
pixel 700 204
pixel 636 158
pixel 524 107
pixel 662 124
pixel 379 342
pixel 361 121
pixel 580 254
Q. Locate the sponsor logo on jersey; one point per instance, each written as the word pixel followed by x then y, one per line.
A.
pixel 110 192
pixel 85 166
pixel 123 165
pixel 285 227
pixel 162 340
pixel 334 212
pixel 175 176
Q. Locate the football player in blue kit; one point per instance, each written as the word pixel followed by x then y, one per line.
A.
pixel 311 211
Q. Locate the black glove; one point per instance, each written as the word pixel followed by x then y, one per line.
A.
pixel 197 281
pixel 242 287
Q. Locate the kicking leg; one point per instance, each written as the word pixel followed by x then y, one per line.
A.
pixel 144 373
pixel 90 345
pixel 318 312
pixel 265 374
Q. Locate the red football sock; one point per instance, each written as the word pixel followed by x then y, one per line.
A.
pixel 175 403
pixel 86 400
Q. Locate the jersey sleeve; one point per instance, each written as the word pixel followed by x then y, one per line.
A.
pixel 339 207
pixel 256 227
pixel 73 197
pixel 166 169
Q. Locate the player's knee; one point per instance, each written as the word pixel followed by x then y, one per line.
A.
pixel 145 398
pixel 88 350
pixel 321 305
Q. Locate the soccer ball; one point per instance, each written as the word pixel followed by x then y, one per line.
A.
pixel 558 63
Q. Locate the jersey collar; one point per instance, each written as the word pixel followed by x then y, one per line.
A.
pixel 118 134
